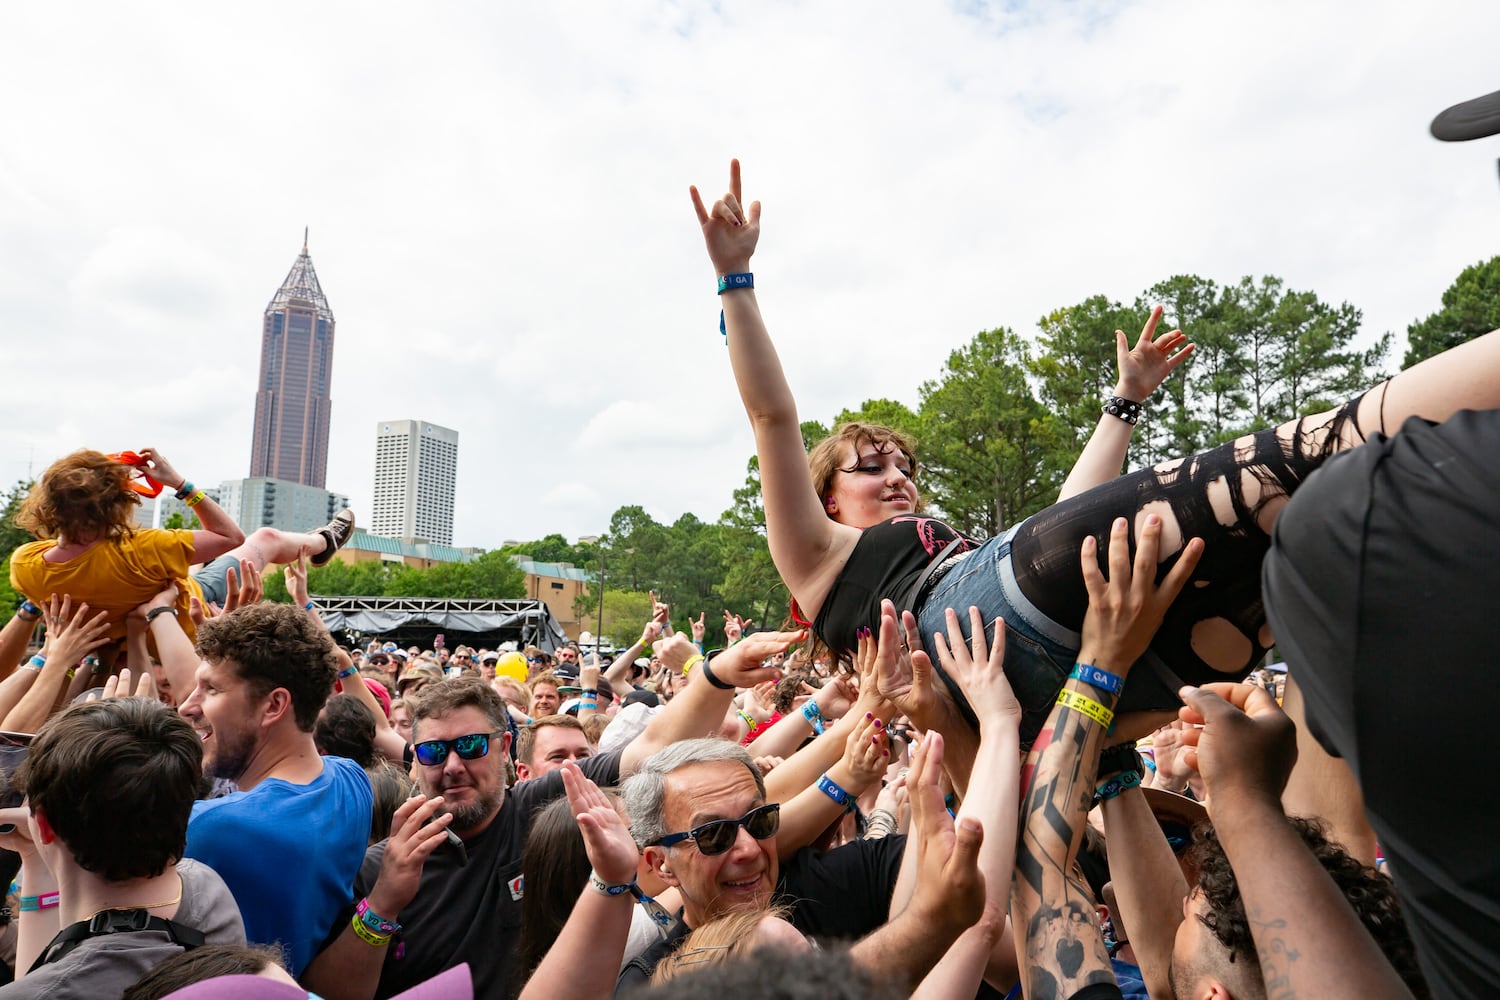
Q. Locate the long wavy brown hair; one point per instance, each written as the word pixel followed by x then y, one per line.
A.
pixel 81 497
pixel 826 457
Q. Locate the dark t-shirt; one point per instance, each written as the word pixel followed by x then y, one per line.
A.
pixel 840 894
pixel 471 913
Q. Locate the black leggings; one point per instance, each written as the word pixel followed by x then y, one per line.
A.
pixel 1216 629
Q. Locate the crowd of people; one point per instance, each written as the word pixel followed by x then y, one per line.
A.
pixel 1052 764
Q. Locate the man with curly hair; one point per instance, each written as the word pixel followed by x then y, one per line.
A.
pixel 291 839
pixel 1215 948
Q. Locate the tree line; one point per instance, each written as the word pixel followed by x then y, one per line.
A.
pixel 997 429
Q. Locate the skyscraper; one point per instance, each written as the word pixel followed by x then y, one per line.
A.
pixel 416 466
pixel 296 361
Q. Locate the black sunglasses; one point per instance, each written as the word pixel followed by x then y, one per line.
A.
pixel 719 835
pixel 471 747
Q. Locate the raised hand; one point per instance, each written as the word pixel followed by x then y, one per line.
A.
pixel 734 627
pixel 295 575
pixel 950 887
pixel 1247 745
pixel 740 664
pixel 246 589
pixel 979 668
pixel 606 837
pixel 904 678
pixel 729 230
pixel 118 685
pixel 867 751
pixel 1146 366
pixel 71 632
pixel 699 629
pixel 159 469
pixel 1126 610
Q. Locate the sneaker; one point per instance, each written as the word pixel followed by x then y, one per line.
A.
pixel 338 531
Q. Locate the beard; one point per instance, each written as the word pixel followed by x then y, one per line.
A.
pixel 467 817
pixel 230 755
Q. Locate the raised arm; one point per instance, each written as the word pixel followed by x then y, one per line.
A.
pixel 1142 368
pixel 1050 909
pixel 70 634
pixel 798 530
pixel 1309 940
pixel 219 533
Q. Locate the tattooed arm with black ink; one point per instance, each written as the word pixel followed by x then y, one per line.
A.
pixel 1308 938
pixel 1062 949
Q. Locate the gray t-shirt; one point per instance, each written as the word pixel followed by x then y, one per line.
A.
pixel 101 968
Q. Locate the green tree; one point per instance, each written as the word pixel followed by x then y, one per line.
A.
pixel 1076 366
pixel 991 447
pixel 1300 352
pixel 12 535
pixel 9 599
pixel 1471 307
pixel 1208 395
pixel 885 412
pixel 176 520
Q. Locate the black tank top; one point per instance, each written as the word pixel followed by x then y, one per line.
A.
pixel 886 562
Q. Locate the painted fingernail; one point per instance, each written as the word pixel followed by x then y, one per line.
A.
pixel 879 724
pixel 885 753
pixel 868 716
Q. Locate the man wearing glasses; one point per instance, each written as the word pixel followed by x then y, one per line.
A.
pixel 424 905
pixel 700 808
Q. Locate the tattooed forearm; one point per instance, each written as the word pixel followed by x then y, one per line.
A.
pixel 1063 950
pixel 1276 955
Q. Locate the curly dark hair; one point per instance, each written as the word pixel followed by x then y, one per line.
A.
pixel 1372 895
pixel 79 496
pixel 275 646
pixel 346 728
pixel 789 687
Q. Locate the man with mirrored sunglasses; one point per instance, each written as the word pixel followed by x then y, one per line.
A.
pixel 440 906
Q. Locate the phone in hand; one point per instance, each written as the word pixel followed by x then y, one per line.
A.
pixel 14 747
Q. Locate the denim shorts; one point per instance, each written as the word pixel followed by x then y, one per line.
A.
pixel 214 578
pixel 1039 653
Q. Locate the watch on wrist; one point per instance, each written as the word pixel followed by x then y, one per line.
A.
pixel 156 613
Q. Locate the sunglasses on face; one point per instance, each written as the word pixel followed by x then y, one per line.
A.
pixel 471 747
pixel 719 835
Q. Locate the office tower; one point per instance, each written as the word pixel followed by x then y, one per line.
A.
pixel 259 502
pixel 296 363
pixel 416 465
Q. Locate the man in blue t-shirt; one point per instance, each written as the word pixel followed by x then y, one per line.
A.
pixel 291 840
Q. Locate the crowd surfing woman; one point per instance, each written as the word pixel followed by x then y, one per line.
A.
pixel 846 531
pixel 82 511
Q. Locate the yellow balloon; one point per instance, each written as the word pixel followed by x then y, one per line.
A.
pixel 511 665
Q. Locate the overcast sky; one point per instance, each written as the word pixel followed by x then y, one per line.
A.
pixel 497 196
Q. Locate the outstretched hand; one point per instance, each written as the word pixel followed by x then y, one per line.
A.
pixel 979 669
pixel 1247 746
pixel 72 632
pixel 606 837
pixel 1146 366
pixel 730 231
pixel 904 678
pixel 950 887
pixel 1126 610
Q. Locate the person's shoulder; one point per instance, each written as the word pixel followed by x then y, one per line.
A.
pixel 208 905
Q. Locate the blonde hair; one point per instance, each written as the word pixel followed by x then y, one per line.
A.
pixel 721 940
pixel 823 461
pixel 81 495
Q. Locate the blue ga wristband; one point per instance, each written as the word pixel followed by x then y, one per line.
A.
pixel 729 283
pixel 1101 679
pixel 828 787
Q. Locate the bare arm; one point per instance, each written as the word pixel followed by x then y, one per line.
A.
pixel 14 638
pixel 1142 369
pixel 993 802
pixel 589 949
pixel 798 530
pixel 699 708
pixel 70 634
pixel 1308 938
pixel 1052 912
pixel 179 660
pixel 220 534
pixel 866 753
pixel 1148 882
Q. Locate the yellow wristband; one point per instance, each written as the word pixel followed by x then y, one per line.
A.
pixel 368 936
pixel 692 662
pixel 197 498
pixel 1085 706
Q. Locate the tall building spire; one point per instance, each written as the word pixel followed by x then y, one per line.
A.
pixel 292 402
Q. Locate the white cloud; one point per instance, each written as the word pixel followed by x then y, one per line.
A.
pixel 499 216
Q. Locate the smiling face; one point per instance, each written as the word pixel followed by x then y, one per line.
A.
pixel 741 878
pixel 226 714
pixel 545 700
pixel 870 486
pixel 553 746
pixel 472 790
